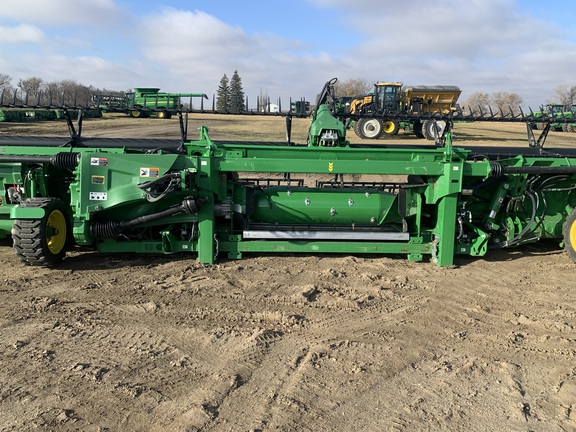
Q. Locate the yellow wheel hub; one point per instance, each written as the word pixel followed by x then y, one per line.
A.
pixel 389 127
pixel 572 234
pixel 56 232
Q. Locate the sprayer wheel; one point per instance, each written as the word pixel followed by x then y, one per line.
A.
pixel 569 234
pixel 391 127
pixel 369 128
pixel 43 242
pixel 432 129
pixel 417 128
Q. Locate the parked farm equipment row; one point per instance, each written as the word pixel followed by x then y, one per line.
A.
pixel 225 200
pixel 556 115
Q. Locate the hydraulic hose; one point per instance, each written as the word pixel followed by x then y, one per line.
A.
pixel 64 160
pixel 498 170
pixel 112 229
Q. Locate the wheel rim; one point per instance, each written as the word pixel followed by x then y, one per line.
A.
pixel 572 235
pixel 436 127
pixel 56 232
pixel 389 127
pixel 371 128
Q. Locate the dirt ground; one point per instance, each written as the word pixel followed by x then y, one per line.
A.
pixel 288 342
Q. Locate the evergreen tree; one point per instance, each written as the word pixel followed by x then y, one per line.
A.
pixel 236 93
pixel 223 95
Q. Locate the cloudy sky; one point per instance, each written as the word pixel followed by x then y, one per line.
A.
pixel 290 48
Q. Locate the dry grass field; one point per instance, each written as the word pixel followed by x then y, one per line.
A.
pixel 288 342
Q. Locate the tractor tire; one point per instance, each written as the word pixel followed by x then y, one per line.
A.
pixel 417 128
pixel 137 113
pixel 163 115
pixel 540 126
pixel 369 128
pixel 569 234
pixel 567 127
pixel 43 242
pixel 391 127
pixel 432 129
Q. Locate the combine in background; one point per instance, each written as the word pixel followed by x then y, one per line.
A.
pixel 375 112
pixel 145 101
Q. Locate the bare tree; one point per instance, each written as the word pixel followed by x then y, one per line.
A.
pixel 506 102
pixel 6 89
pixel 5 80
pixel 75 93
pixel 565 95
pixel 30 88
pixel 352 87
pixel 263 100
pixel 477 103
pixel 53 92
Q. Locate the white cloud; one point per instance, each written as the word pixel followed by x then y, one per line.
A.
pixel 479 45
pixel 21 33
pixel 61 12
pixel 198 49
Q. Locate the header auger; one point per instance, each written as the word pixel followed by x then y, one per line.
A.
pixel 225 200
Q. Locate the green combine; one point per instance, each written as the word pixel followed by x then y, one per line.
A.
pixel 144 102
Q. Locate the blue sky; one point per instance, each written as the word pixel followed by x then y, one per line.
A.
pixel 290 48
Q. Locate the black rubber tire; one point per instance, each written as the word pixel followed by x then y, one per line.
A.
pixel 43 242
pixel 137 112
pixel 163 114
pixel 432 129
pixel 369 128
pixel 390 127
pixel 417 128
pixel 569 234
pixel 568 127
pixel 428 129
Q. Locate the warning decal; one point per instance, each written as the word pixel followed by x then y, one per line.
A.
pixel 96 161
pixel 149 172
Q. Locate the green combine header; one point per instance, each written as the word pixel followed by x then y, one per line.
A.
pixel 226 200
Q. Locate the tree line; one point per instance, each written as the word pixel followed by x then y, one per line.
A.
pixel 230 95
pixel 33 89
pixel 563 95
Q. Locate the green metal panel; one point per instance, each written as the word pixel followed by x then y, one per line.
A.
pixel 317 206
